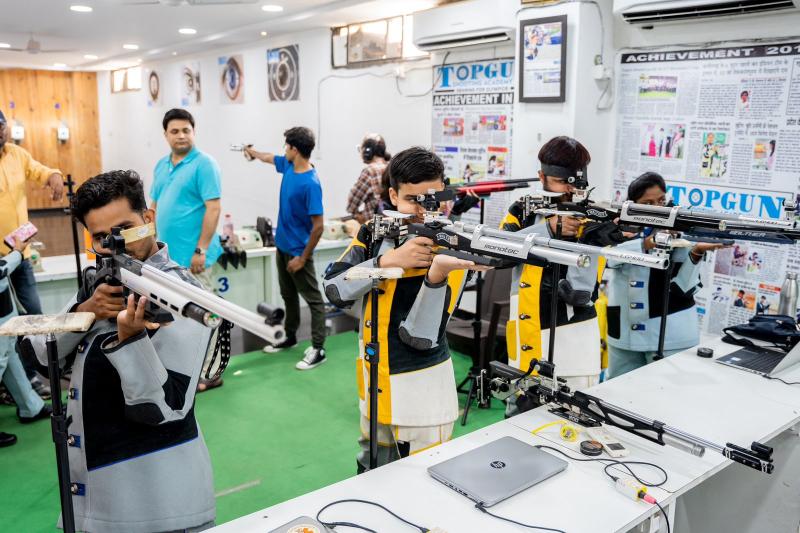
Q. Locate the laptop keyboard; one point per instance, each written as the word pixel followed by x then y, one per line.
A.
pixel 762 362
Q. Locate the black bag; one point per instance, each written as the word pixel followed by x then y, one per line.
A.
pixel 780 330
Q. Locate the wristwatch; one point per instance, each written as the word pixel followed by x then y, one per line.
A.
pixel 199 251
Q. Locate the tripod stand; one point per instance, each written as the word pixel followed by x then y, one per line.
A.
pixel 473 378
pixel 372 350
pixel 76 248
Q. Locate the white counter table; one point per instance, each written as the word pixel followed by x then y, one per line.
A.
pixel 696 395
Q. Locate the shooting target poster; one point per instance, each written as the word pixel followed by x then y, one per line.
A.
pixel 153 89
pixel 231 79
pixel 283 73
pixel 190 84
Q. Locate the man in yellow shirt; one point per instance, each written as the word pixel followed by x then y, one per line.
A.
pixel 17 167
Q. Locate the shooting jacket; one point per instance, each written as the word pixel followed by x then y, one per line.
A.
pixel 416 382
pixel 635 301
pixel 138 462
pixel 578 340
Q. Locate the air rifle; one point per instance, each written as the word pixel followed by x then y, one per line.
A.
pixel 169 295
pixel 487 246
pixel 546 388
pixel 487 188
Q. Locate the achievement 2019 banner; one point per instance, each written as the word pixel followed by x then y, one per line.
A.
pixel 722 125
pixel 471 124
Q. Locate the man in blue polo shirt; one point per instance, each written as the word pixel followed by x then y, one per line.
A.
pixel 186 196
pixel 299 229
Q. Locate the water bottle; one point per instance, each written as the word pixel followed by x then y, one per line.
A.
pixel 787 305
pixel 227 229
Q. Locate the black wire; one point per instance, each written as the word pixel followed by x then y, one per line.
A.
pixel 666 519
pixel 367 502
pixel 613 462
pixel 782 381
pixel 483 510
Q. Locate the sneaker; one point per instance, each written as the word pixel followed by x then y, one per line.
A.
pixel 313 358
pixel 40 388
pixel 288 342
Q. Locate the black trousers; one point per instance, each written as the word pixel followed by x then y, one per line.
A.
pixel 302 283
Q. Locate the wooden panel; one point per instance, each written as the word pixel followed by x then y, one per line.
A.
pixel 41 100
pixel 55 232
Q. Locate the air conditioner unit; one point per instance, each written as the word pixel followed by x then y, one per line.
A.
pixel 473 23
pixel 652 12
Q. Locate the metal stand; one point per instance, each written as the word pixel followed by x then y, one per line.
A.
pixel 476 391
pixel 76 249
pixel 554 300
pixel 372 355
pixel 60 422
pixel 662 331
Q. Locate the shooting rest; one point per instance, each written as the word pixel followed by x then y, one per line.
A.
pixel 50 325
pixel 44 324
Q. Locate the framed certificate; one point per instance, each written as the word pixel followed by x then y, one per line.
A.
pixel 543 59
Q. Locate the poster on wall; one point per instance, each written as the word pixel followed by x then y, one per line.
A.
pixel 471 124
pixel 153 89
pixel 543 58
pixel 722 125
pixel 231 79
pixel 283 73
pixel 190 84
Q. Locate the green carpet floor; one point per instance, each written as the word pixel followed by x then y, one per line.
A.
pixel 273 433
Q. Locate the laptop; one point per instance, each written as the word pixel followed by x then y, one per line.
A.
pixel 496 471
pixel 761 360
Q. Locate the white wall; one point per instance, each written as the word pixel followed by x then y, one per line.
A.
pixel 535 124
pixel 132 137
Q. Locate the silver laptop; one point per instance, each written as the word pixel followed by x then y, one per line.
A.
pixel 761 360
pixel 497 470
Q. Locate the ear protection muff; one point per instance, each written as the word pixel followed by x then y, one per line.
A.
pixel 369 146
pixel 367 150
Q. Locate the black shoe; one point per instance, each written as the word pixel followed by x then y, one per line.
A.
pixel 41 415
pixel 288 342
pixel 7 439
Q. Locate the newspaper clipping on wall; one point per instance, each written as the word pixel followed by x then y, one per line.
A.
pixel 471 126
pixel 722 126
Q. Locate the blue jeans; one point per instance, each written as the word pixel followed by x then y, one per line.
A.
pixel 17 383
pixel 25 287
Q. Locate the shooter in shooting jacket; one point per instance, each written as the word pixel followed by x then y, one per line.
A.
pixel 577 345
pixel 635 294
pixel 417 402
pixel 138 462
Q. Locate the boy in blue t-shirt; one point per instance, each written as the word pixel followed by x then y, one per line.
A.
pixel 299 229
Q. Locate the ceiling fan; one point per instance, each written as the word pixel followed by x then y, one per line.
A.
pixel 35 47
pixel 188 2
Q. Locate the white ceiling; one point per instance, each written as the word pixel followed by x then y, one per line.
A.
pixel 153 25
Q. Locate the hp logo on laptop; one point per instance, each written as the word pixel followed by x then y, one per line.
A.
pixel 497 464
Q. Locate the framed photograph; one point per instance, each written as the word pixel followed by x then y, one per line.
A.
pixel 543 59
pixel 369 43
